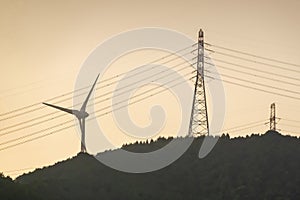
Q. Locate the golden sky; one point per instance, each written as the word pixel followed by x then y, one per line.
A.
pixel 44 43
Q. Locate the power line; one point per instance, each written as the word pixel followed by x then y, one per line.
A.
pixel 157 87
pixel 256 83
pixel 27 121
pixel 290 131
pixel 212 78
pixel 35 133
pixel 102 81
pixel 248 124
pixel 283 124
pixel 102 95
pixel 64 115
pixel 139 100
pixel 253 61
pixel 106 85
pixel 251 87
pixel 31 125
pixel 89 119
pixel 102 115
pixel 290 120
pixel 41 107
pixel 256 70
pixel 64 128
pixel 249 127
pixel 253 55
pixel 35 138
pixel 64 123
pixel 255 75
pixel 60 101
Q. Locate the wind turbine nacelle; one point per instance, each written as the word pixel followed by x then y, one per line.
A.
pixel 80 114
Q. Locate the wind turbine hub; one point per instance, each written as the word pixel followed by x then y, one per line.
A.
pixel 80 114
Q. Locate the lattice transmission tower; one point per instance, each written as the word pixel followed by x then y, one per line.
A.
pixel 199 118
pixel 273 117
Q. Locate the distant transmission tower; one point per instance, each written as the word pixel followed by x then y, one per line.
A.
pixel 273 117
pixel 199 118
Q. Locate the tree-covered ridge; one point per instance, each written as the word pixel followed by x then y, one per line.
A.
pixel 256 167
pixel 9 190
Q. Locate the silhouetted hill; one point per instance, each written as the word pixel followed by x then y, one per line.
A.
pixel 10 190
pixel 256 167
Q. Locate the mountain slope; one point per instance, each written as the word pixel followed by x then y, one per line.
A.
pixel 10 190
pixel 256 167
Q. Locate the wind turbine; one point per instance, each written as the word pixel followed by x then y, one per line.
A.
pixel 80 114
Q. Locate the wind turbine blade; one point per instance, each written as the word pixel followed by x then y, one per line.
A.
pixel 60 108
pixel 88 96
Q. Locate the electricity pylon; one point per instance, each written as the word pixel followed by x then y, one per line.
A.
pixel 199 118
pixel 273 117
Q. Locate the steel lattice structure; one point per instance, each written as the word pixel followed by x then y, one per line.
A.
pixel 273 118
pixel 199 118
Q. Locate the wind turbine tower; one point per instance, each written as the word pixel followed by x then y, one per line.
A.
pixel 80 114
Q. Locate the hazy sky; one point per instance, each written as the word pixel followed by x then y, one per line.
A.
pixel 44 43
